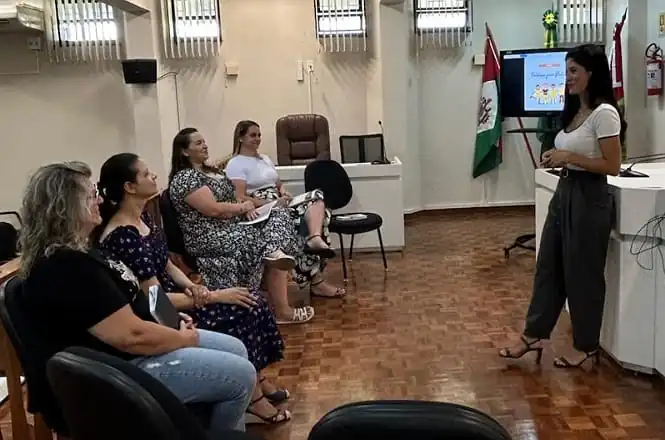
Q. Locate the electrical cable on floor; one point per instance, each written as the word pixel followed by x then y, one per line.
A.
pixel 649 240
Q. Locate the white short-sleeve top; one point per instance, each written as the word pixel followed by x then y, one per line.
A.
pixel 603 122
pixel 258 172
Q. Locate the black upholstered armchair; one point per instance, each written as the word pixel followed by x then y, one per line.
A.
pixel 407 420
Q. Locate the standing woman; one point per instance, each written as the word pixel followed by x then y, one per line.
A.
pixel 573 245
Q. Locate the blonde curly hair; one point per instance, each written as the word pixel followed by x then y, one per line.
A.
pixel 54 212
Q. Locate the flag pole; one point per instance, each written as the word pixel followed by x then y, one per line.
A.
pixel 519 119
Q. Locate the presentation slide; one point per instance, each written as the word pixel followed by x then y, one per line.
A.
pixel 544 81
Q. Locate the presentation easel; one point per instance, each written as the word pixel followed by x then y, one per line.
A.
pixel 524 241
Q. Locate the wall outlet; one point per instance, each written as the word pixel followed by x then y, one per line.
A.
pixel 35 43
pixel 309 66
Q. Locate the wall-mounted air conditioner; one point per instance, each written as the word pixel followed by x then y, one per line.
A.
pixel 17 15
pixel 393 2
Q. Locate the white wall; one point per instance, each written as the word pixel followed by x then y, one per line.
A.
pixel 62 113
pixel 427 100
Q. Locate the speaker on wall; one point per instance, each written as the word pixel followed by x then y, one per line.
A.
pixel 140 71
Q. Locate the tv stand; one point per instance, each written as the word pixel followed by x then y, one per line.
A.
pixel 546 133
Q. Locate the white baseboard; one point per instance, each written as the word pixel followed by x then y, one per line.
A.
pixel 462 205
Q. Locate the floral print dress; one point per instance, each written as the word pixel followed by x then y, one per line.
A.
pixel 228 254
pixel 147 257
pixel 307 265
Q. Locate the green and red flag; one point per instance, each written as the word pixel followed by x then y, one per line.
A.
pixel 616 65
pixel 487 153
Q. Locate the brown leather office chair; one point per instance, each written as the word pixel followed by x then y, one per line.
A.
pixel 302 139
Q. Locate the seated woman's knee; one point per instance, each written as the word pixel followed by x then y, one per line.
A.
pixel 222 342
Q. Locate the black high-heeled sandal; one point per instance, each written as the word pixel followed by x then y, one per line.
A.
pixel 562 362
pixel 280 416
pixel 506 353
pixel 278 396
pixel 321 252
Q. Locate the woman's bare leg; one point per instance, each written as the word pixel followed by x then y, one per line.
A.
pixel 314 217
pixel 277 287
pixel 276 282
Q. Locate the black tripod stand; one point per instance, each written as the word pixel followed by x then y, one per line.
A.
pixel 545 132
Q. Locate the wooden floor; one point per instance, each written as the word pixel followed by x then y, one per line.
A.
pixel 430 329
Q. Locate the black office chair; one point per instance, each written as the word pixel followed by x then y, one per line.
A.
pixel 106 398
pixel 40 397
pixel 12 214
pixel 362 148
pixel 331 178
pixel 174 237
pixel 9 236
pixel 406 420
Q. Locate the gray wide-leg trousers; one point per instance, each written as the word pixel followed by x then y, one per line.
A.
pixel 571 259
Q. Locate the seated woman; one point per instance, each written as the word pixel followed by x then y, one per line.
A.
pixel 73 296
pixel 128 234
pixel 255 178
pixel 209 216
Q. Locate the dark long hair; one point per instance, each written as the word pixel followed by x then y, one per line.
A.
pixel 116 171
pixel 599 89
pixel 241 130
pixel 179 161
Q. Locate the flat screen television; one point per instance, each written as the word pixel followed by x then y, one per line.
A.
pixel 532 82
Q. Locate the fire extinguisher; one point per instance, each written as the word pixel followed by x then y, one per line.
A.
pixel 654 66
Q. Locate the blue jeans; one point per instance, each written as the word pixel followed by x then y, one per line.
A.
pixel 217 372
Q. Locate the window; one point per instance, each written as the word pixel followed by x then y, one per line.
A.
pixel 437 15
pixel 195 19
pixel 582 12
pixel 78 21
pixel 340 17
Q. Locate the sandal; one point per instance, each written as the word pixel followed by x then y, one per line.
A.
pixel 339 291
pixel 321 252
pixel 279 260
pixel 562 362
pixel 300 316
pixel 506 353
pixel 280 416
pixel 278 396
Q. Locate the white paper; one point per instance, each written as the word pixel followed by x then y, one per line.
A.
pixel 263 212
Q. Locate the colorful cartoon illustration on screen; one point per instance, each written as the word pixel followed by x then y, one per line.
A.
pixel 562 93
pixel 554 94
pixel 537 95
pixel 546 94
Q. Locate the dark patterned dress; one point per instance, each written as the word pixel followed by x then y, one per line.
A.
pixel 147 257
pixel 307 265
pixel 228 254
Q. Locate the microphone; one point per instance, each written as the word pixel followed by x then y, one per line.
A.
pixel 628 172
pixel 384 159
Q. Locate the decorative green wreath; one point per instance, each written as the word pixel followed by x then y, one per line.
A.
pixel 550 23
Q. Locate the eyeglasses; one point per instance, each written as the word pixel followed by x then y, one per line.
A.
pixel 95 193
